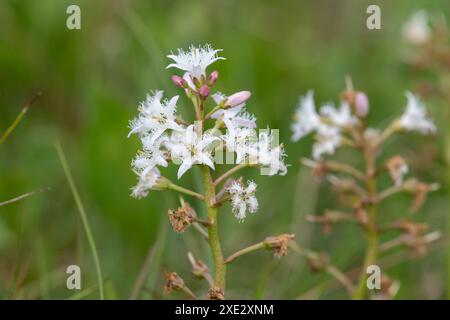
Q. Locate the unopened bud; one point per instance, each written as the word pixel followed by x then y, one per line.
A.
pixel 238 98
pixel 361 104
pixel 213 77
pixel 204 91
pixel 179 81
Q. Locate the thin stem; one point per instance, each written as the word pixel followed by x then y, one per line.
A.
pixel 189 292
pixel 342 167
pixel 209 114
pixel 392 128
pixel 213 231
pixel 202 231
pixel 372 230
pixel 388 192
pixel 19 117
pixel 83 216
pixel 229 173
pixel 246 250
pixel 181 189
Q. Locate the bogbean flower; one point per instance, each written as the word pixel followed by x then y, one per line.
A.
pixel 155 117
pixel 340 118
pixel 306 119
pixel 195 61
pixel 414 117
pixel 243 198
pixel 147 181
pixel 192 148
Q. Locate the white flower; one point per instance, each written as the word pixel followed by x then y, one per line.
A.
pixel 155 117
pixel 196 60
pixel 151 156
pixel 241 141
pixel 306 117
pixel 342 117
pixel 416 30
pixel 243 199
pixel 328 139
pixel 190 148
pixel 270 156
pixel 414 118
pixel 147 181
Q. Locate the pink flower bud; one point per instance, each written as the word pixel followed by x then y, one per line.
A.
pixel 361 104
pixel 213 77
pixel 179 81
pixel 238 98
pixel 204 91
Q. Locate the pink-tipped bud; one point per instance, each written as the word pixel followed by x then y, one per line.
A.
pixel 213 77
pixel 361 104
pixel 203 91
pixel 238 98
pixel 179 81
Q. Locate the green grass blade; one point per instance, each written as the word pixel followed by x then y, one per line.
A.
pixel 19 118
pixel 83 216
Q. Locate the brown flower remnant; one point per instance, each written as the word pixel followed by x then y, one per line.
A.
pixel 173 282
pixel 397 168
pixel 181 218
pixel 216 293
pixel 420 189
pixel 279 244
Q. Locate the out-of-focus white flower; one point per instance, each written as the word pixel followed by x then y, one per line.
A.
pixel 155 117
pixel 306 117
pixel 328 139
pixel 243 199
pixel 269 155
pixel 195 61
pixel 342 117
pixel 191 148
pixel 416 30
pixel 414 117
pixel 147 181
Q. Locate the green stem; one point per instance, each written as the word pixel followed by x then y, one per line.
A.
pixel 246 250
pixel 213 232
pixel 372 230
pixel 181 189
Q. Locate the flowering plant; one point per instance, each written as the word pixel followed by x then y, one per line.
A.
pixel 346 126
pixel 168 138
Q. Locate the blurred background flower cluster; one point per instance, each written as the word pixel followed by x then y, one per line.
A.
pixel 92 81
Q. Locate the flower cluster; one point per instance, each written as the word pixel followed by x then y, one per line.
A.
pixel 332 126
pixel 166 137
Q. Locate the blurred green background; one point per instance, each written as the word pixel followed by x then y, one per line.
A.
pixel 92 80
